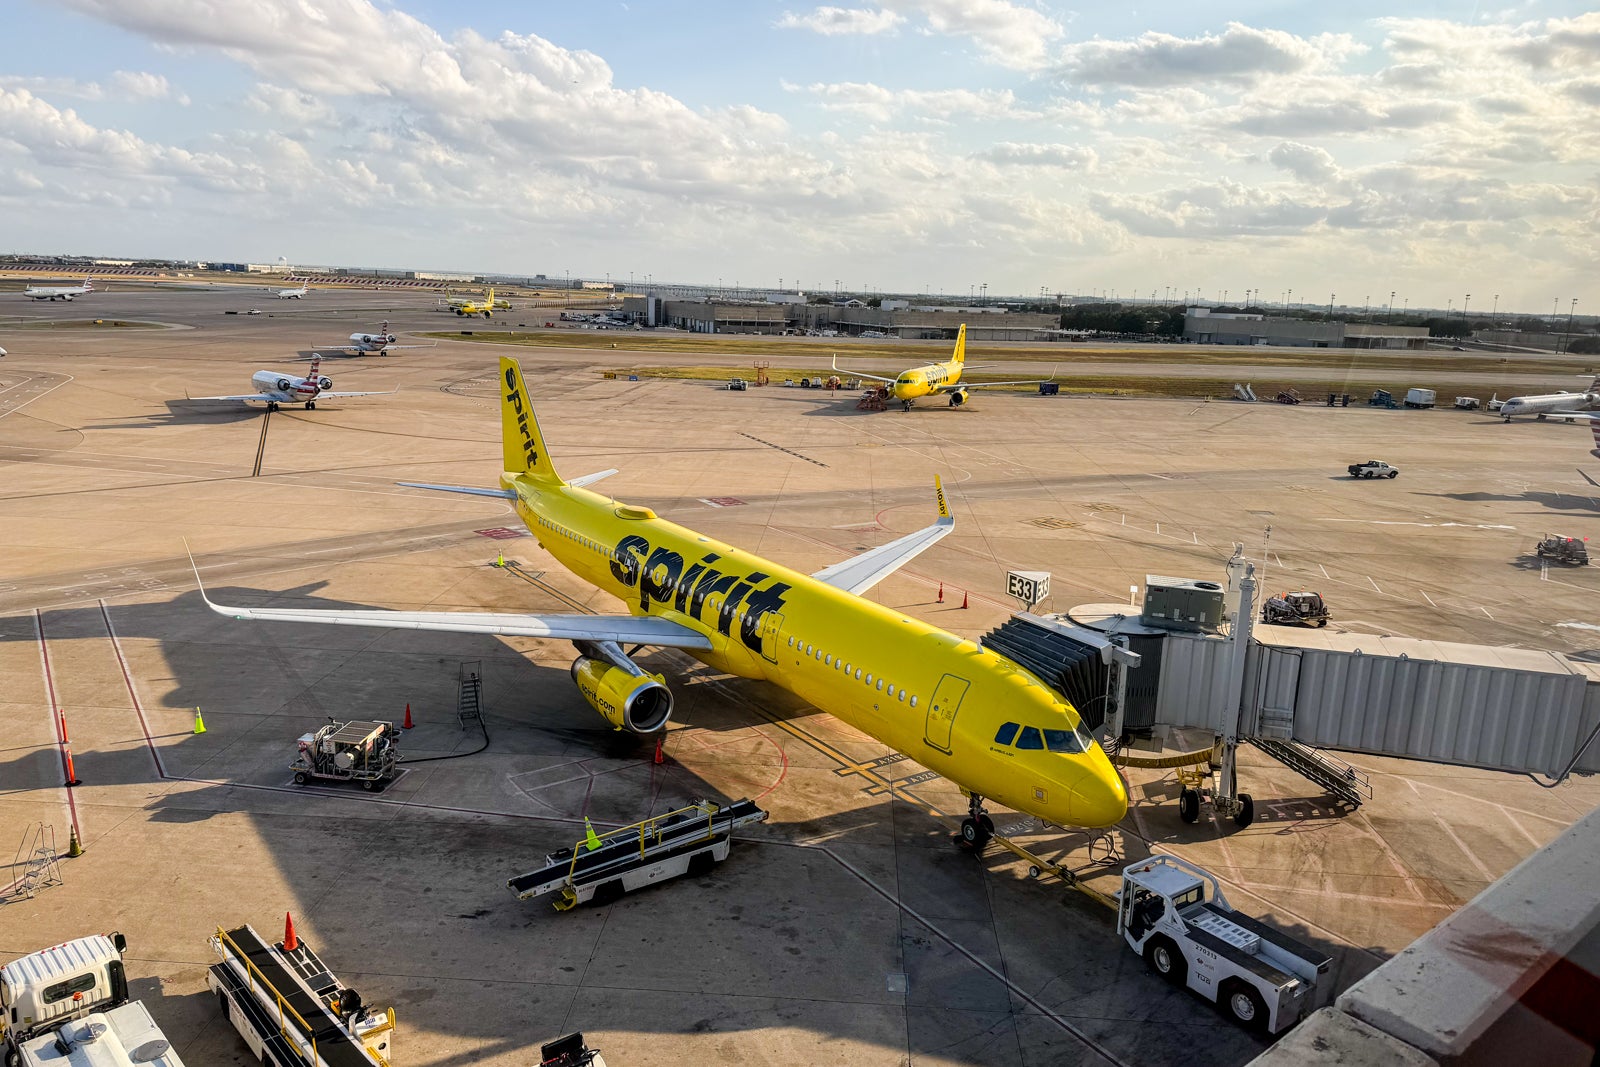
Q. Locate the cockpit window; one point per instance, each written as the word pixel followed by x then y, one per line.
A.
pixel 1030 738
pixel 1006 733
pixel 1064 741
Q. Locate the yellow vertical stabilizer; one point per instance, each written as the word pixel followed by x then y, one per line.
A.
pixel 960 355
pixel 520 439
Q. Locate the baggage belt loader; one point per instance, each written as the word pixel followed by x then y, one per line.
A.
pixel 290 1009
pixel 605 866
pixel 1175 915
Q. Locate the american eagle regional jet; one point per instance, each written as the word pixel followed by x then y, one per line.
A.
pixel 60 292
pixel 276 387
pixel 983 722
pixel 380 342
pixel 933 378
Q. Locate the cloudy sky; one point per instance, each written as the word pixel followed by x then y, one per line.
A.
pixel 1429 149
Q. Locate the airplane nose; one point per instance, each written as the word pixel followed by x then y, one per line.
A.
pixel 1099 800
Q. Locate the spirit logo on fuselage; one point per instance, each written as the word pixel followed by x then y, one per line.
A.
pixel 660 576
pixel 514 398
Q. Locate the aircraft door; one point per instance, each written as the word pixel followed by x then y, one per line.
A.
pixel 771 629
pixel 942 709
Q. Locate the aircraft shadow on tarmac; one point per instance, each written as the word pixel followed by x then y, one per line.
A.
pixel 1574 502
pixel 181 413
pixel 774 927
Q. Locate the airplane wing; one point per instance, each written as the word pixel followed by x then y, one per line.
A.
pixel 859 373
pixel 276 398
pixel 623 629
pixel 370 392
pixel 860 573
pixel 990 385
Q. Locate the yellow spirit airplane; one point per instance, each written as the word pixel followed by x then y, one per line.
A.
pixel 933 378
pixel 484 307
pixel 983 722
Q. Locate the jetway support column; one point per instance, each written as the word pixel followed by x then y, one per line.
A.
pixel 1227 798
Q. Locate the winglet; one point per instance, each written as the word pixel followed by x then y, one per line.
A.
pixel 194 567
pixel 945 518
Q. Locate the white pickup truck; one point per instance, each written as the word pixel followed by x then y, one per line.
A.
pixel 1372 468
pixel 1174 914
pixel 68 1006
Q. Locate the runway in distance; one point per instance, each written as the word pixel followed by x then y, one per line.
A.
pixel 380 342
pixel 979 720
pixel 294 294
pixel 60 292
pixel 1552 403
pixel 933 378
pixel 274 388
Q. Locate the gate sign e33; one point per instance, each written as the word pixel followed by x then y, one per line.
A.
pixel 1030 587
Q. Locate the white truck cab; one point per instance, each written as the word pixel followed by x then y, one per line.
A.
pixel 1175 915
pixel 68 1005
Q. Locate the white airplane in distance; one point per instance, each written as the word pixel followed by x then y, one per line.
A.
pixel 275 387
pixel 380 342
pixel 1552 403
pixel 60 292
pixel 294 294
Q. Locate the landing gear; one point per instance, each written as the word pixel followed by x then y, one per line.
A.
pixel 311 405
pixel 977 827
pixel 272 405
pixel 905 405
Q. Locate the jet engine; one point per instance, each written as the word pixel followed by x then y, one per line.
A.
pixel 620 690
pixel 391 339
pixel 324 383
pixel 284 385
pixel 958 397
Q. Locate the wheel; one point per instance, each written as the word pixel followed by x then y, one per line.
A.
pixel 299 777
pixel 13 1058
pixel 1189 805
pixel 367 783
pixel 1393 473
pixel 1165 959
pixel 311 405
pixel 973 833
pixel 987 824
pixel 1033 871
pixel 1247 810
pixel 1244 1005
pixel 1321 623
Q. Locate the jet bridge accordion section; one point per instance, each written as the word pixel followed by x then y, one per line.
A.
pixel 1070 660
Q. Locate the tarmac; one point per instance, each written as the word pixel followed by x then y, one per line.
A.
pixel 847 929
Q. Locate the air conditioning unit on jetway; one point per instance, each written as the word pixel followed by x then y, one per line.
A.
pixel 1182 604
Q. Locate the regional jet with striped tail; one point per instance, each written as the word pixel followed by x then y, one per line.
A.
pixel 978 719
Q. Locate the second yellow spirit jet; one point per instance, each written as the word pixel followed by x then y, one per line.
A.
pixel 933 379
pixel 978 719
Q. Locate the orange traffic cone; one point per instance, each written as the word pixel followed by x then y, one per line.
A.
pixel 941 594
pixel 62 715
pixel 963 598
pixel 290 942
pixel 72 775
pixel 661 757
pixel 408 723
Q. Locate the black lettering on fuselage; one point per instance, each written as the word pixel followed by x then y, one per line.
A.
pixel 661 578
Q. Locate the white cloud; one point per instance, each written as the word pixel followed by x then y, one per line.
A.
pixel 1065 156
pixel 1306 162
pixel 1240 54
pixel 835 21
pixel 144 86
pixel 880 104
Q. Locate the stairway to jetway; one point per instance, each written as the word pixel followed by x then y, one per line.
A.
pixel 1071 668
pixel 1333 774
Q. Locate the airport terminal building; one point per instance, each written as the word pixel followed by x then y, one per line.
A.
pixel 1206 327
pixel 850 319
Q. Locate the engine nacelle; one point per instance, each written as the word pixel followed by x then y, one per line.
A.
pixel 639 702
pixel 324 384
pixel 391 339
pixel 284 385
pixel 958 398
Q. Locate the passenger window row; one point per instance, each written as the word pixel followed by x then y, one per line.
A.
pixel 850 670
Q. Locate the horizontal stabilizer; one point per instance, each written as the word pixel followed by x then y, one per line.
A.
pixel 470 490
pixel 590 479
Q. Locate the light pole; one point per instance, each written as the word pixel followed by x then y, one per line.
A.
pixel 1466 302
pixel 1388 315
pixel 1570 309
pixel 1494 313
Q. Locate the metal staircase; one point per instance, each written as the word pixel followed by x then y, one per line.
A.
pixel 1333 774
pixel 1072 669
pixel 469 693
pixel 38 863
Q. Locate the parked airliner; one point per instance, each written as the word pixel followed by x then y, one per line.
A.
pixel 275 387
pixel 933 378
pixel 1552 403
pixel 980 720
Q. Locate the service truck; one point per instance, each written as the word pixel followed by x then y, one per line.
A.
pixel 1175 915
pixel 68 1005
pixel 1421 398
pixel 1372 468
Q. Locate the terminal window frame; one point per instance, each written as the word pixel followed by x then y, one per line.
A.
pixel 81 983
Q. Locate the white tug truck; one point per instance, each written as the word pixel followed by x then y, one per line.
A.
pixel 1175 915
pixel 68 1006
pixel 290 1009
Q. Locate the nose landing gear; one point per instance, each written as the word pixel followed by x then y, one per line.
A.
pixel 977 827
